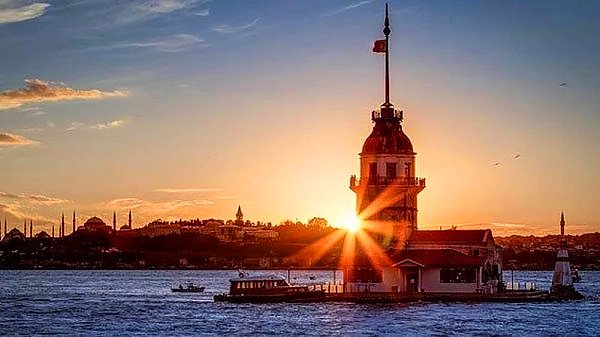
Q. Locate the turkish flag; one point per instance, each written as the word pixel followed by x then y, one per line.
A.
pixel 380 46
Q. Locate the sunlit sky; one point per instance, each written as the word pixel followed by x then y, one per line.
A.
pixel 189 108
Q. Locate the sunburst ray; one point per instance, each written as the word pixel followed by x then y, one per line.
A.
pixel 317 249
pixel 375 254
pixel 347 257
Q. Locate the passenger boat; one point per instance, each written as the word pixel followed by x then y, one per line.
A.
pixel 188 288
pixel 267 289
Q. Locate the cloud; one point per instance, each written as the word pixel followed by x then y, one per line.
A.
pixel 158 208
pixel 31 130
pixel 188 190
pixel 44 199
pixel 13 210
pixel 38 199
pixel 28 12
pixel 228 29
pixel 203 12
pixel 109 125
pixel 16 213
pixel 38 91
pixel 38 113
pixel 151 9
pixel 349 6
pixel 126 203
pixel 117 123
pixel 165 6
pixel 74 126
pixel 18 207
pixel 172 44
pixel 10 139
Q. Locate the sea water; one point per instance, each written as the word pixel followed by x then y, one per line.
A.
pixel 140 303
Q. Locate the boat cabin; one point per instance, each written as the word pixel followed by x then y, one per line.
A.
pixel 263 284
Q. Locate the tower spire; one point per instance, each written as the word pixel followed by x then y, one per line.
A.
pixel 386 32
pixel 114 221
pixel 74 225
pixel 387 113
pixel 129 220
pixel 62 226
pixel 239 216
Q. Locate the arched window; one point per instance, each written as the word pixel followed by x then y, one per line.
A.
pixel 390 170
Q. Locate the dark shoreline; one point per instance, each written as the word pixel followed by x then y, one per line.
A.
pixel 235 269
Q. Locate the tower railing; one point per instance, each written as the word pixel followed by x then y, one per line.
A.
pixel 387 113
pixel 385 181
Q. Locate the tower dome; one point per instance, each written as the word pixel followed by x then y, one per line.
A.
pixel 386 139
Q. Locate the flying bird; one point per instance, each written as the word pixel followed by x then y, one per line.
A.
pixel 563 85
pixel 516 156
pixel 496 164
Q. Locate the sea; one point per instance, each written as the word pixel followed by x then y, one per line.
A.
pixel 140 303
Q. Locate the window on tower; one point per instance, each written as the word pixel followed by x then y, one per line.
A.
pixel 407 169
pixel 373 172
pixel 390 170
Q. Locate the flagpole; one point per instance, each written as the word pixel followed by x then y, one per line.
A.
pixel 386 31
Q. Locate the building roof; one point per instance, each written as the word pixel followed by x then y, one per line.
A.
pixel 450 236
pixel 268 277
pixel 437 257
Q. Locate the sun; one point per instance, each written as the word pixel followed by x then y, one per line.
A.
pixel 350 222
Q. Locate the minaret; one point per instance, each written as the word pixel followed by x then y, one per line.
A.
pixel 386 193
pixel 61 230
pixel 114 221
pixel 129 221
pixel 5 227
pixel 239 216
pixel 52 231
pixel 25 228
pixel 30 228
pixel 74 223
pixel 562 223
pixel 562 279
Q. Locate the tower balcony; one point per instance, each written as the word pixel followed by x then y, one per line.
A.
pixel 387 113
pixel 387 181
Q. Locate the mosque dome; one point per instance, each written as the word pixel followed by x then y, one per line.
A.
pixel 95 221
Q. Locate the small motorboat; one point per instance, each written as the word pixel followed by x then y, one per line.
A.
pixel 575 276
pixel 189 287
